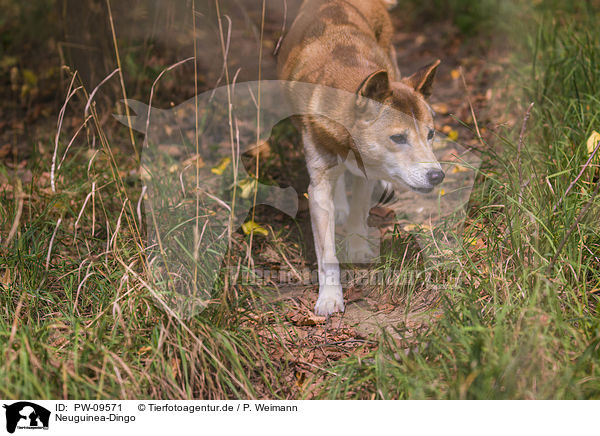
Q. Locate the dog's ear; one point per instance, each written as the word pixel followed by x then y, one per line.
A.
pixel 376 86
pixel 390 4
pixel 422 80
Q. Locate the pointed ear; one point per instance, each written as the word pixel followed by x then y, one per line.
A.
pixel 422 80
pixel 376 86
pixel 390 4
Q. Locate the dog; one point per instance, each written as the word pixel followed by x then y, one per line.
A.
pixel 347 45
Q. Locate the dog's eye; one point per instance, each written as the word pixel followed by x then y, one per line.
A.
pixel 399 139
pixel 430 135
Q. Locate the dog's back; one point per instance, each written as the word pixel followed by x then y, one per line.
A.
pixel 338 43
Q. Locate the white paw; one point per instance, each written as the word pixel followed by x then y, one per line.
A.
pixel 329 302
pixel 341 215
pixel 359 250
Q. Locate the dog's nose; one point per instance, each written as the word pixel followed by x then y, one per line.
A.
pixel 435 177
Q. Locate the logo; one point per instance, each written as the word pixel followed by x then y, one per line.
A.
pixel 26 415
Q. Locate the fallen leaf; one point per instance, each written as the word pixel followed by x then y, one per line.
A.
pixel 175 365
pixel 194 160
pixel 300 379
pixel 459 169
pixel 247 186
pixel 252 226
pixel 416 227
pixel 592 143
pixel 222 166
pixel 440 108
pixel 308 320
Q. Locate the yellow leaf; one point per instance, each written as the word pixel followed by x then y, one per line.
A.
pixel 251 226
pixel 455 74
pixel 247 186
pixel 459 169
pixel 452 135
pixel 442 192
pixel 471 241
pixel 413 227
pixel 592 142
pixel 222 166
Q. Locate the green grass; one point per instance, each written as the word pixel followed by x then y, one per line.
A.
pixel 510 325
pixel 512 328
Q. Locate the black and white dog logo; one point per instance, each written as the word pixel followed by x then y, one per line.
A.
pixel 26 415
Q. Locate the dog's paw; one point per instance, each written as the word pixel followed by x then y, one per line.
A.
pixel 359 250
pixel 329 303
pixel 341 215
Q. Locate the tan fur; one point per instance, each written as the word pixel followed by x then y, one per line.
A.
pixel 346 45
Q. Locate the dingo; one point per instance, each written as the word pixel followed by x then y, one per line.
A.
pixel 346 44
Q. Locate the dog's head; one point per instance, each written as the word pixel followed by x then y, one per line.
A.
pixel 394 136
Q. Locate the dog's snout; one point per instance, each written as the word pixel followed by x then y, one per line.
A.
pixel 435 177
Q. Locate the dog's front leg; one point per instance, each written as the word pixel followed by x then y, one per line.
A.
pixel 358 246
pixel 322 214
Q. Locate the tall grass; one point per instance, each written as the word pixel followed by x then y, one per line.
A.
pixel 522 321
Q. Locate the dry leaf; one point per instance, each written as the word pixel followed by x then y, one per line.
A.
pixel 592 143
pixel 144 350
pixel 440 108
pixel 194 160
pixel 300 379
